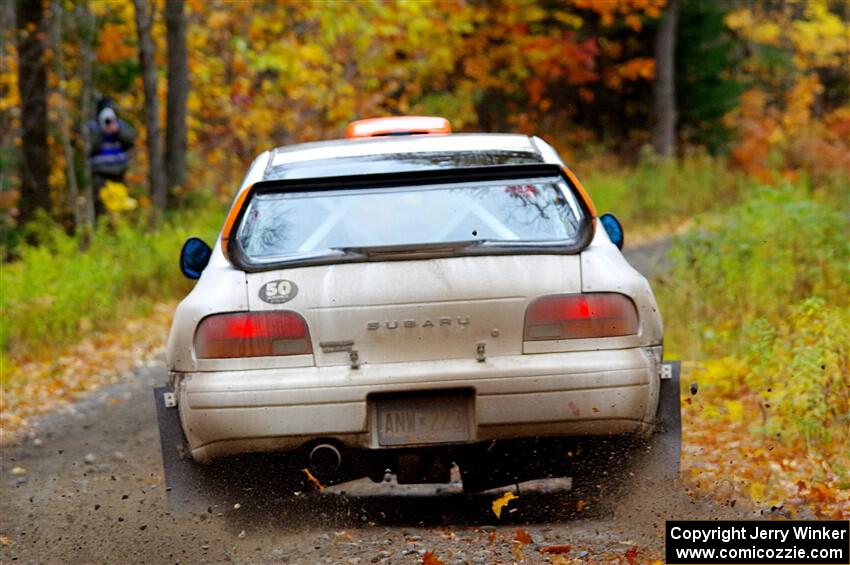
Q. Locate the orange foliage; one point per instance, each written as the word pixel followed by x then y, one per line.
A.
pixel 776 118
pixel 629 9
pixel 113 44
pixel 784 135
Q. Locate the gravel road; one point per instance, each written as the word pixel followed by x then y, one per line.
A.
pixel 87 487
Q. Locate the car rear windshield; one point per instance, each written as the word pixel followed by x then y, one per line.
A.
pixel 285 226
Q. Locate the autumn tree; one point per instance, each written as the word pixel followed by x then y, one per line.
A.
pixel 32 83
pixel 64 125
pixel 664 92
pixel 86 27
pixel 156 167
pixel 178 91
pixel 794 114
pixel 707 56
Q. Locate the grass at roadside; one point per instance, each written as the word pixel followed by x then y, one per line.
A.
pixel 657 196
pixel 55 295
pixel 758 300
pixel 99 359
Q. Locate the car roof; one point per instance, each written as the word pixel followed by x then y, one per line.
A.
pixel 398 153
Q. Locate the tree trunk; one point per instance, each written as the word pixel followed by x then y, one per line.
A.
pixel 664 103
pixel 64 127
pixel 32 84
pixel 8 135
pixel 86 31
pixel 156 172
pixel 178 90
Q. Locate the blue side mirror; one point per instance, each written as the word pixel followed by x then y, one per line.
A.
pixel 194 257
pixel 613 228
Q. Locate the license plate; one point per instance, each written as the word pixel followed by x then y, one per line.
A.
pixel 410 421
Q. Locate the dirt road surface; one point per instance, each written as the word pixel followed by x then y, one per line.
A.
pixel 86 487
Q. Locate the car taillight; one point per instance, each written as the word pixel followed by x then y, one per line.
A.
pixel 573 316
pixel 252 334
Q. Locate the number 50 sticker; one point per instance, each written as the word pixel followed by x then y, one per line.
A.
pixel 277 292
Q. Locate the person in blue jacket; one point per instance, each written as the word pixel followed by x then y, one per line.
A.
pixel 111 141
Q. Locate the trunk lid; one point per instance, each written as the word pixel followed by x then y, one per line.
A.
pixel 396 311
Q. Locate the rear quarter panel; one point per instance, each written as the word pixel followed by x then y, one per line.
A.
pixel 605 269
pixel 221 288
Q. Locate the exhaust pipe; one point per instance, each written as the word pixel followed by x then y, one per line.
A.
pixel 325 459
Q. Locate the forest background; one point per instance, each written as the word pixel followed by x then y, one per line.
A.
pixel 724 124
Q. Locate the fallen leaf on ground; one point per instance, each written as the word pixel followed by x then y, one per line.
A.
pixel 631 555
pixel 522 537
pixel 5 540
pixel 581 505
pixel 18 471
pixel 313 479
pixel 501 502
pixel 59 376
pixel 516 551
pixel 430 559
pixel 557 549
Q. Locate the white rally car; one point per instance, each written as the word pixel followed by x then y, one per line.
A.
pixel 409 299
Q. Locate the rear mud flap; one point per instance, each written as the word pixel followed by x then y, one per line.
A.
pixel 195 488
pixel 190 487
pixel 665 446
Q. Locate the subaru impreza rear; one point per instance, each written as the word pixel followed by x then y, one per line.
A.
pixel 410 303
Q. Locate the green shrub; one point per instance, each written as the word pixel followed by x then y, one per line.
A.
pixel 763 292
pixel 54 293
pixel 774 250
pixel 662 191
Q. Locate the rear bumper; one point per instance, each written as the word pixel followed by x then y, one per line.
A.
pixel 557 394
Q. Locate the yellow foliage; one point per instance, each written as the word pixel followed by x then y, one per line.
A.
pixel 724 375
pixel 735 410
pixel 218 19
pixel 821 38
pixel 766 32
pixel 738 20
pixel 9 94
pixel 500 503
pixel 116 198
pixel 756 491
pixel 817 39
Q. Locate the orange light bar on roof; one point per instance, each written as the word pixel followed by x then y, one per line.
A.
pixel 399 125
